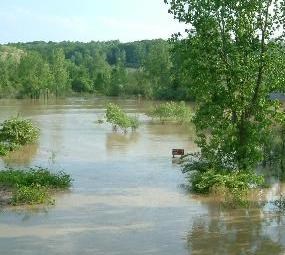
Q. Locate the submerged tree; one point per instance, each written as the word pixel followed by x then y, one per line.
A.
pixel 234 57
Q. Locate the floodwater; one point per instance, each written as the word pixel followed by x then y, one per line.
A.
pixel 127 195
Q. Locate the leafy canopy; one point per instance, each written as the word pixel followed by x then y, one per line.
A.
pixel 16 132
pixel 234 57
pixel 118 118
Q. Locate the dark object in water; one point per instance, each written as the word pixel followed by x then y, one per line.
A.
pixel 177 152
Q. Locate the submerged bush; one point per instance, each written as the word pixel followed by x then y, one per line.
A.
pixel 33 186
pixel 172 111
pixel 204 182
pixel 34 176
pixel 16 132
pixel 233 185
pixel 118 118
pixel 30 195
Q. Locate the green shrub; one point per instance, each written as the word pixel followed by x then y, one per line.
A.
pixel 118 118
pixel 34 176
pixel 33 186
pixel 134 123
pixel 30 195
pixel 172 111
pixel 18 131
pixel 4 149
pixel 234 185
pixel 204 182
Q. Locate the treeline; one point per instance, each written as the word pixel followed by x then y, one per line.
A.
pixel 144 68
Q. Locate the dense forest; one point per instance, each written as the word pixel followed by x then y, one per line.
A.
pixel 39 69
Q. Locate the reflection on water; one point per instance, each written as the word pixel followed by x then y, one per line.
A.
pixel 225 230
pixel 120 140
pixel 126 197
pixel 22 157
pixel 236 232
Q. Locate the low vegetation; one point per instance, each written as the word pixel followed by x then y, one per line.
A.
pixel 232 186
pixel 32 186
pixel 16 132
pixel 172 111
pixel 119 119
pixel 31 195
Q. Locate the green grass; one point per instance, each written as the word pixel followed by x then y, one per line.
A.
pixel 34 185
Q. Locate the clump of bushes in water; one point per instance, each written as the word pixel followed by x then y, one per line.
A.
pixel 119 119
pixel 33 186
pixel 16 132
pixel 232 185
pixel 172 111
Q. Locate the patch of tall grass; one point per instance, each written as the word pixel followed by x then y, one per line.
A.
pixel 34 185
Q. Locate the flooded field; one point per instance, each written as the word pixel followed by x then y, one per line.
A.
pixel 127 196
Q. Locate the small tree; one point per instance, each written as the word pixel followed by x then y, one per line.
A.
pixel 118 118
pixel 234 57
pixel 16 132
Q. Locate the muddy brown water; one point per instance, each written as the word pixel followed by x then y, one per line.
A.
pixel 127 196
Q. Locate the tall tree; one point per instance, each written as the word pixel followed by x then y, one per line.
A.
pixel 232 55
pixel 157 66
pixel 100 72
pixel 34 75
pixel 60 72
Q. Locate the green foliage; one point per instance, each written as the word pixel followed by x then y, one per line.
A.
pixel 157 66
pixel 116 116
pixel 233 61
pixel 39 69
pixel 172 111
pixel 134 122
pixel 58 65
pixel 31 195
pixel 204 182
pixel 34 176
pixel 232 186
pixel 4 149
pixel 33 75
pixel 18 131
pixel 274 150
pixel 33 186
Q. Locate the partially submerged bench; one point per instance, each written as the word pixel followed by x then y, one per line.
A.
pixel 177 152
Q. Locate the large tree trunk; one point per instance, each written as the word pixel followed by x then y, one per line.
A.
pixel 242 144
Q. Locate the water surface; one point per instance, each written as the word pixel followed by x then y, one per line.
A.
pixel 127 195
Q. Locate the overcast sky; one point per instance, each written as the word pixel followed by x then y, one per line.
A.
pixel 85 20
